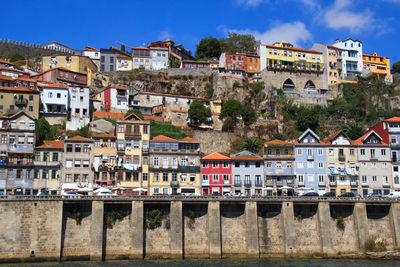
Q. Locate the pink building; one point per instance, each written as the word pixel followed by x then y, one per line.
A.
pixel 216 172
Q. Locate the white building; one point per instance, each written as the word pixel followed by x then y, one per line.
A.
pixel 54 102
pixel 351 56
pixel 93 54
pixel 116 99
pixel 79 108
pixel 159 58
pixel 60 47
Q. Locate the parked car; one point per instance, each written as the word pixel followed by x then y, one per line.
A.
pixel 347 194
pixel 106 194
pixel 311 194
pixel 394 194
pixel 329 194
pixel 70 194
pixel 374 195
pixel 41 194
pixel 214 194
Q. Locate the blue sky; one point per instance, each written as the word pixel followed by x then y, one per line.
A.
pixel 100 23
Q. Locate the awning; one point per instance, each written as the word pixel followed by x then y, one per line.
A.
pixel 292 61
pixel 348 171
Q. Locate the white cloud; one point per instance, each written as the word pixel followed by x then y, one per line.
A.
pixel 295 33
pixel 341 17
pixel 249 3
pixel 165 35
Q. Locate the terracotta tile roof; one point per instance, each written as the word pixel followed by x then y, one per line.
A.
pixel 51 144
pixel 188 139
pixel 108 115
pixel 123 56
pixel 329 139
pixel 6 62
pixel 293 49
pixel 216 155
pixel 118 87
pixel 104 135
pixel 53 85
pixel 153 118
pixel 179 110
pixel 132 114
pixel 277 142
pixel 18 89
pixel 309 144
pixel 394 119
pixel 163 138
pixel 78 138
pixel 89 48
pixel 26 79
pixel 58 68
pixel 19 71
pixel 140 47
pixel 8 78
pixel 246 157
pixel 360 140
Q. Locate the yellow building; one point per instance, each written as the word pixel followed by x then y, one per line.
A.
pixel 82 64
pixel 133 136
pixel 283 56
pixel 105 161
pixel 15 99
pixel 378 65
pixel 174 166
pixel 124 63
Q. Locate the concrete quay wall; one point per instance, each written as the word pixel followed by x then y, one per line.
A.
pixel 96 229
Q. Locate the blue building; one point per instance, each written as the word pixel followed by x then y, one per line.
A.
pixel 279 168
pixel 310 167
pixel 247 173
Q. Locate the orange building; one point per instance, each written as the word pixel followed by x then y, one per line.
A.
pixel 378 65
pixel 253 63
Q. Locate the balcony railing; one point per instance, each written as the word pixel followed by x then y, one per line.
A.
pixel 374 158
pixel 321 183
pixel 332 183
pixel 205 182
pixel 342 158
pixel 133 134
pixel 189 168
pixel 174 184
pixel 258 184
pixel 237 184
pixel 21 102
pixel 247 184
pixel 353 183
pixel 310 157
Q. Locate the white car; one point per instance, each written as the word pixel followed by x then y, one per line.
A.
pixel 106 194
pixel 394 194
pixel 70 194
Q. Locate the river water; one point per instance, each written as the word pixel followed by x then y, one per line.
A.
pixel 220 263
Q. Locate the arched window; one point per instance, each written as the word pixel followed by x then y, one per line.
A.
pixel 309 85
pixel 288 85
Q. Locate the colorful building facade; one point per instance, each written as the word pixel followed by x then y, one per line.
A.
pixel 377 65
pixel 216 171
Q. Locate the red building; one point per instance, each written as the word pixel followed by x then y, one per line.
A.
pixel 63 76
pixel 216 172
pixel 193 64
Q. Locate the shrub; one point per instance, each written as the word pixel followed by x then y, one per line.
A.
pixel 191 216
pixel 112 217
pixel 340 224
pixel 373 244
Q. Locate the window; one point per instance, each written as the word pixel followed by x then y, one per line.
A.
pixel 321 179
pixel 155 162
pixel 145 129
pixel 286 151
pixel 76 177
pixel 205 164
pixel 269 151
pixel 288 164
pixel 68 178
pixel 247 179
pixel 237 164
pixel 183 162
pixel 226 164
pixel 136 144
pixel 145 176
pixel 299 151
pixel 77 148
pixel 156 190
pixel 351 152
pixel 393 140
pixel 300 178
pixel 156 177
pixel 68 163
pixel 77 163
pixel 205 177
pixel 86 148
pixel 165 162
pixel 279 164
pixel 246 164
pixel 192 178
pixel 4 139
pixel 165 177
pixel 374 178
pixel 278 152
pixel 320 152
pixel 58 95
pixel 383 152
pixel 362 151
pixel 120 128
pixel 183 177
pixel 320 165
pixel 12 140
pixel 269 164
pixel 215 178
pixel 86 163
pixel 215 164
pixel 258 164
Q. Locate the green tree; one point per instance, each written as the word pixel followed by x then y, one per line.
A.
pixel 198 113
pixel 396 67
pixel 307 119
pixel 210 91
pixel 84 131
pixel 175 63
pixel 136 111
pixel 231 108
pixel 228 125
pixel 238 43
pixel 353 130
pixel 249 115
pixel 250 144
pixel 167 129
pixel 16 57
pixel 208 48
pixel 46 131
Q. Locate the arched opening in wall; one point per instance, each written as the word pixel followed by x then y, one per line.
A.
pixel 288 85
pixel 310 86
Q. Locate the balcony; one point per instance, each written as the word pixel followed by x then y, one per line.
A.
pixel 279 157
pixel 226 182
pixel 46 163
pixel 12 161
pixel 145 149
pixel 247 184
pixel 205 182
pixel 321 183
pixel 354 183
pixel 237 184
pixel 133 135
pixel 342 158
pixel 374 158
pixel 258 184
pixel 188 168
pixel 310 157
pixel 174 184
pixel 21 101
pixel 332 183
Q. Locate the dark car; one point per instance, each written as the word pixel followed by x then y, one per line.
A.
pixel 347 194
pixel 215 194
pixel 374 195
pixel 329 194
pixel 311 194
